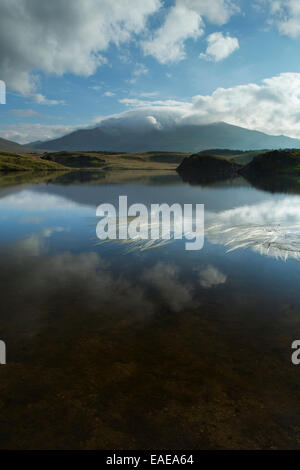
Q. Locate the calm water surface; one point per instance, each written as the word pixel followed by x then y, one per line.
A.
pixel 161 348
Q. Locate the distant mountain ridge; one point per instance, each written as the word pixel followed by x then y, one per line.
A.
pixel 9 146
pixel 179 138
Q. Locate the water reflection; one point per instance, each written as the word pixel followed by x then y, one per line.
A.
pixel 271 228
pixel 156 349
pixel 269 225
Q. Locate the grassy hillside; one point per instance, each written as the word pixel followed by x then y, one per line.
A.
pixel 208 162
pixel 276 163
pixel 109 161
pixel 275 171
pixel 202 168
pixel 55 161
pixel 238 156
pixel 19 162
pixel 74 160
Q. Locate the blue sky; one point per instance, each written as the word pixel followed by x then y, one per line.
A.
pixel 72 64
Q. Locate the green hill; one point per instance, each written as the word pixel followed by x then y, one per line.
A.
pixel 283 163
pixel 206 169
pixel 19 162
pixel 74 160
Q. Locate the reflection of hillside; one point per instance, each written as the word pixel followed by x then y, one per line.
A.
pixel 206 180
pixel 13 178
pixel 117 177
pixel 274 184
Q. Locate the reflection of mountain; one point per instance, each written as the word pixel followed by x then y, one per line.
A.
pixel 115 136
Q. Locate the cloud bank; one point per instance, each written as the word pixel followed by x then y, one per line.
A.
pixel 271 107
pixel 63 36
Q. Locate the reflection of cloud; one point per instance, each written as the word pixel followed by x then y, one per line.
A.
pixel 165 279
pixel 154 231
pixel 31 201
pixel 31 220
pixel 48 232
pixel 73 281
pixel 211 276
pixel 85 282
pixel 33 245
pixel 271 228
pixel 270 211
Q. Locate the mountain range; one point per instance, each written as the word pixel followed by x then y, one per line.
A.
pixel 180 138
pixel 10 146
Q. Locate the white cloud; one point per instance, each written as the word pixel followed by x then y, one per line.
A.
pixel 109 93
pixel 63 36
pixel 141 103
pixel 272 106
pixel 215 11
pixel 41 99
pixel 26 132
pixel 184 21
pixel 219 47
pixel 167 44
pixel 95 87
pixel 286 15
pixel 28 113
pixel 148 94
pixel 140 69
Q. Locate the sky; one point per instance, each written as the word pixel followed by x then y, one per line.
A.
pixel 70 64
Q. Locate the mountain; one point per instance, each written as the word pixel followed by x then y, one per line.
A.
pixel 179 138
pixel 9 146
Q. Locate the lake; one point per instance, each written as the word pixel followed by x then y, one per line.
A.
pixel 163 348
